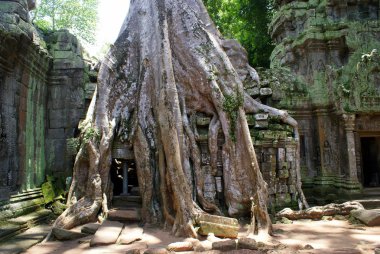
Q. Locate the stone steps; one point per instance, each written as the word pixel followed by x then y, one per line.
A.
pixel 107 234
pixel 127 201
pixel 25 240
pixel 15 226
pixel 125 214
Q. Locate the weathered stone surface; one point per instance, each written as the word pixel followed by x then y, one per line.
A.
pixel 217 219
pixel 90 228
pixel 369 217
pixel 25 240
pixel 180 246
pixel 130 234
pixel 126 214
pixel 203 246
pixel 108 233
pixel 332 251
pixel 65 235
pixel 221 230
pixel 212 238
pixel 156 251
pixel 265 91
pixel 247 243
pixel 317 212
pixel 224 245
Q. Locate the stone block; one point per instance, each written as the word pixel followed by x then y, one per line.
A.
pixel 16 8
pixel 254 91
pixel 227 245
pixel 61 54
pixel 217 219
pixel 261 117
pixel 266 91
pixel 56 133
pixel 283 174
pixel 90 228
pixel 108 233
pixel 127 214
pixel 203 121
pixel 247 244
pixel 261 124
pixel 65 235
pixel 369 217
pixel 292 189
pixel 130 234
pixel 221 230
pixel 180 246
pixel 282 188
pixel 156 251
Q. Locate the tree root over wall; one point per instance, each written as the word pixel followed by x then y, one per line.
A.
pixel 167 65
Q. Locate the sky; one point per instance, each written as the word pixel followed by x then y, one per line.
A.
pixel 111 16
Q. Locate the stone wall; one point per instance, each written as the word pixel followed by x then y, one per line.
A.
pixel 41 100
pixel 322 43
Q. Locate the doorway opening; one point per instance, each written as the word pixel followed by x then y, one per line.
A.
pixel 371 161
pixel 124 177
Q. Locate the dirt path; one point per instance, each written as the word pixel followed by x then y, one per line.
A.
pixel 323 236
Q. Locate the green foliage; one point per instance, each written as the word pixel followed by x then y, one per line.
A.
pixel 247 21
pixel 231 105
pixel 90 134
pixel 78 16
pixel 73 144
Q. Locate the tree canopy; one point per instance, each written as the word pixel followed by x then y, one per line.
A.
pixel 247 21
pixel 78 16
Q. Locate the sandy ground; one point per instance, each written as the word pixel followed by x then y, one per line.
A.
pixel 288 238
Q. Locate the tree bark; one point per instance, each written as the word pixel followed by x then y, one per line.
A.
pixel 167 65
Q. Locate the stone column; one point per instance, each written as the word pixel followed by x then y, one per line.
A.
pixel 349 125
pixel 125 178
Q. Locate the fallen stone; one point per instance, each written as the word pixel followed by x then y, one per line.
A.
pixel 134 251
pixel 203 246
pixel 317 212
pixel 130 234
pixel 108 233
pixel 224 245
pixel 369 217
pixel 212 238
pixel 156 251
pixel 65 235
pixel 90 228
pixel 332 251
pixel 308 247
pixel 127 214
pixel 247 243
pixel 216 219
pixel 137 248
pixel 221 230
pixel 180 246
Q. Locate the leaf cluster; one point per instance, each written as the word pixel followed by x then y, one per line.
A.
pixel 78 16
pixel 246 21
pixel 231 105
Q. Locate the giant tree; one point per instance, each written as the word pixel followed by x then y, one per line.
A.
pixel 169 63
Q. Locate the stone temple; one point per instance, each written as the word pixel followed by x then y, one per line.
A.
pixel 325 70
pixel 331 48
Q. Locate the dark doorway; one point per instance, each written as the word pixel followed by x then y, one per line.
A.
pixel 124 177
pixel 371 161
pixel 117 177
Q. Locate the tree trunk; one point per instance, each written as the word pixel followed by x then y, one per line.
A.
pixel 168 64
